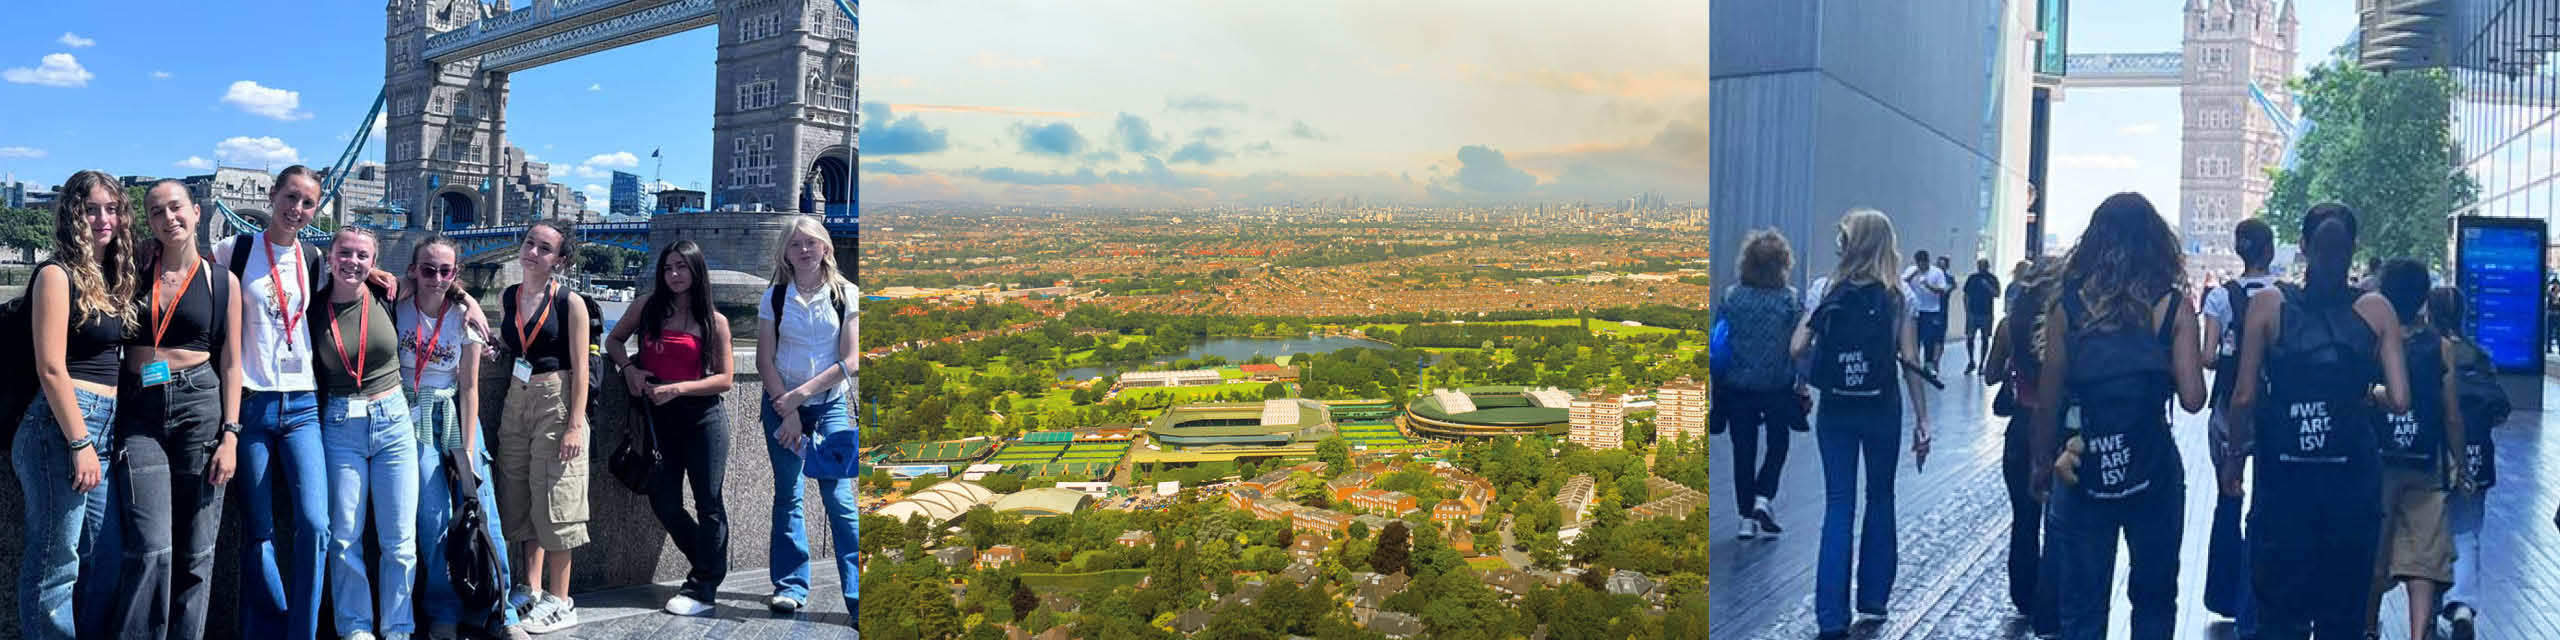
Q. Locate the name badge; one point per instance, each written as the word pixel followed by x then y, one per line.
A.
pixel 155 374
pixel 289 362
pixel 356 408
pixel 524 370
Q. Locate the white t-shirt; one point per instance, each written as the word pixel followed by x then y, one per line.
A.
pixel 2217 306
pixel 450 341
pixel 263 344
pixel 1813 298
pixel 1924 288
pixel 809 327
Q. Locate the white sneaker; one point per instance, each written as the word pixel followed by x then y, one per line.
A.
pixel 1750 529
pixel 395 635
pixel 360 635
pixel 685 605
pixel 783 604
pixel 523 599
pixel 554 614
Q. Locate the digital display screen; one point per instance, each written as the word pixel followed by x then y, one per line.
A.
pixel 2501 276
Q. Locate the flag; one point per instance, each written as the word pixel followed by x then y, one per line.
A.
pixel 653 152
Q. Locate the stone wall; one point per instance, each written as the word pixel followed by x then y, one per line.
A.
pixel 629 547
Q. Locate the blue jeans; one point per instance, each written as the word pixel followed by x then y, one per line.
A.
pixel 438 603
pixel 1847 433
pixel 2463 514
pixel 280 578
pixel 373 461
pixel 2084 534
pixel 790 545
pixel 66 529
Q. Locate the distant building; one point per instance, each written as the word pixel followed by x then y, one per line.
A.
pixel 1599 421
pixel 244 191
pixel 1270 373
pixel 1396 502
pixel 1681 409
pixel 13 194
pixel 1136 539
pixel 1575 498
pixel 1185 378
pixel 626 195
pixel 999 556
pixel 680 201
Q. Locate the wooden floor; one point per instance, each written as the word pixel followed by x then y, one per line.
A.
pixel 1954 530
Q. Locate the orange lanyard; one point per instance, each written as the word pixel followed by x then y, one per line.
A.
pixel 524 345
pixel 364 327
pixel 427 343
pixel 275 279
pixel 160 318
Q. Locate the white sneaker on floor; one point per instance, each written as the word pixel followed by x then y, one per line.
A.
pixel 395 635
pixel 1750 529
pixel 685 605
pixel 525 596
pixel 553 615
pixel 360 635
pixel 783 604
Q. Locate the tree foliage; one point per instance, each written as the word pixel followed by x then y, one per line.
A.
pixel 2383 146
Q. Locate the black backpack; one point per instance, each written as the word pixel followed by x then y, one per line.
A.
pixel 17 353
pixel 2226 365
pixel 2484 406
pixel 1856 330
pixel 2119 387
pixel 2413 437
pixel 471 561
pixel 2320 366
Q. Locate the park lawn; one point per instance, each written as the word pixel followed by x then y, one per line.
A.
pixel 1481 563
pixel 1082 582
pixel 1085 356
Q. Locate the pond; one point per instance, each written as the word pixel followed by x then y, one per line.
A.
pixel 1237 350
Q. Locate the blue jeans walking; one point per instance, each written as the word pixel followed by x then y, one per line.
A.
pixel 2463 512
pixel 2084 534
pixel 373 462
pixel 790 544
pixel 66 529
pixel 438 604
pixel 280 576
pixel 1846 434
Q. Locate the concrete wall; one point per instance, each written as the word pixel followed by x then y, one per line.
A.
pixel 1818 107
pixel 629 547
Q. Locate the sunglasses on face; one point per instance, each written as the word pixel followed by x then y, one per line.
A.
pixel 438 272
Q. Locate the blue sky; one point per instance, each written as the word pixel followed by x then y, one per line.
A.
pixel 1126 103
pixel 171 88
pixel 2111 140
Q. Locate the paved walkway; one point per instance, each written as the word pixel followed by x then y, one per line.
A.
pixel 1955 528
pixel 633 613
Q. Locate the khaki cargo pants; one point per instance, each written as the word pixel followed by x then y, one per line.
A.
pixel 541 498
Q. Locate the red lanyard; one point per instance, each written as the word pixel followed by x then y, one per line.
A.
pixel 160 318
pixel 524 345
pixel 427 343
pixel 276 280
pixel 364 327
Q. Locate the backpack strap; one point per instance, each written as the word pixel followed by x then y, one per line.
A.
pixel 240 255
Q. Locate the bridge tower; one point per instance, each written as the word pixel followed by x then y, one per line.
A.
pixel 783 107
pixel 2227 141
pixel 446 122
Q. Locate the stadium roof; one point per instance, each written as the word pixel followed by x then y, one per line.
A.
pixel 1045 502
pixel 942 503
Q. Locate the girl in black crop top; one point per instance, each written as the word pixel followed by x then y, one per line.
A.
pixel 542 441
pixel 550 350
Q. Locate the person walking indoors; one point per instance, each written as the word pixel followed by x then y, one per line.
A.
pixel 1755 390
pixel 682 371
pixel 2309 357
pixel 1863 330
pixel 2121 345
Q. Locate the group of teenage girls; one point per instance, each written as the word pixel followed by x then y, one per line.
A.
pixel 169 377
pixel 2343 404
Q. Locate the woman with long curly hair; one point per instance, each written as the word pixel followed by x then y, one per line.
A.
pixel 2119 341
pixel 80 313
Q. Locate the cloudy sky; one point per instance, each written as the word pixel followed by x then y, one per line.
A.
pixel 1123 103
pixel 168 88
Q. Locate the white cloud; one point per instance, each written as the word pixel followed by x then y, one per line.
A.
pixel 162 75
pixel 271 102
pixel 595 190
pixel 74 41
pixel 57 70
pixel 584 171
pixel 382 127
pixel 595 87
pixel 21 152
pixel 245 151
pixel 2138 129
pixel 617 159
pixel 194 162
pixel 2115 162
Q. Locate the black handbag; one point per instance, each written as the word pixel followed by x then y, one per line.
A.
pixel 637 458
pixel 472 564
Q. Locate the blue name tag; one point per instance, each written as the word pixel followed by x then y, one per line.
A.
pixel 155 374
